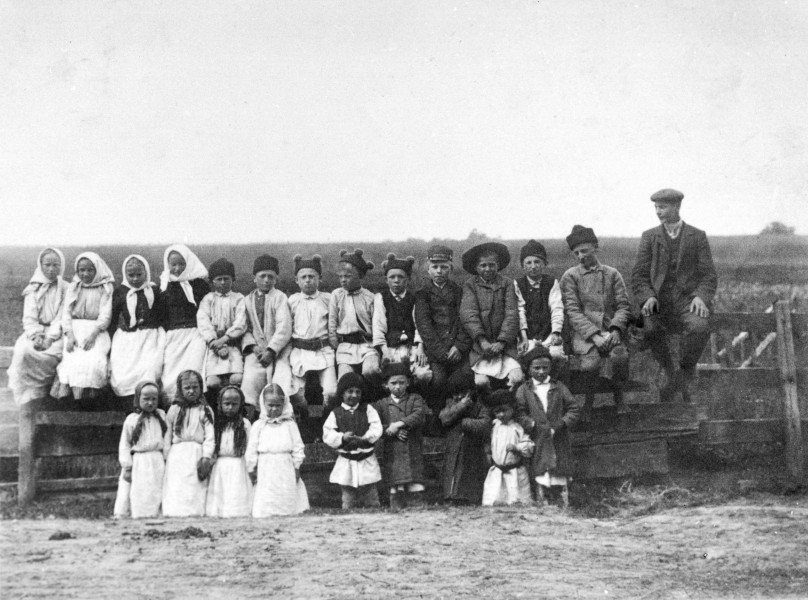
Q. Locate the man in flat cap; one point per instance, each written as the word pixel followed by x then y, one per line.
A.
pixel 674 282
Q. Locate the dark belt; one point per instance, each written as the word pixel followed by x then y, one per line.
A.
pixel 506 468
pixel 312 344
pixel 352 338
pixel 357 455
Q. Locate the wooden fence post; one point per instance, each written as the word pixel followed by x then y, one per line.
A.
pixel 788 373
pixel 26 471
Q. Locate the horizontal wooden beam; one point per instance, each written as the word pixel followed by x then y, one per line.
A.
pixel 81 419
pixel 606 461
pixel 70 485
pixel 745 431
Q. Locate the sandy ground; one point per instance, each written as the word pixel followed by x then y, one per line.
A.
pixel 750 548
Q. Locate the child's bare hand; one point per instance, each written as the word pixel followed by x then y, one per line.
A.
pixel 453 355
pixel 46 343
pixel 393 429
pixel 511 448
pixel 253 477
pixel 496 348
pixel 402 435
pixel 522 347
pixel 420 357
pixel 223 352
pixel 90 341
pixel 70 342
pixel 127 474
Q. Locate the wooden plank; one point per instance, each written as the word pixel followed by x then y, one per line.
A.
pixel 760 323
pixel 747 431
pixel 26 472
pixel 619 460
pixel 6 397
pixel 77 441
pixel 81 419
pixel 10 439
pixel 788 371
pixel 74 485
pixel 646 418
pixel 6 352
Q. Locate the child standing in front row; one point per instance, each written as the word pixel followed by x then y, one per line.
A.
pixel 352 429
pixel 507 481
pixel 403 416
pixel 189 461
pixel 275 452
pixel 144 445
pixel 230 491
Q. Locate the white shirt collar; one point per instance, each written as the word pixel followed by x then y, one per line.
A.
pixel 675 229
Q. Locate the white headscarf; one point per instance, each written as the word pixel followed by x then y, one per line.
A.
pixel 194 269
pixel 103 277
pixel 39 283
pixel 286 414
pixel 131 295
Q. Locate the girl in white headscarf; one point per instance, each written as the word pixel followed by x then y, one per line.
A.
pixel 183 284
pixel 138 340
pixel 85 319
pixel 275 452
pixel 39 349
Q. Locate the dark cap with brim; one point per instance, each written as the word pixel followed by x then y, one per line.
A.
pixel 471 256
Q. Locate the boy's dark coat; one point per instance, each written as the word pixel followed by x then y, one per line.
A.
pixel 403 461
pixel 464 463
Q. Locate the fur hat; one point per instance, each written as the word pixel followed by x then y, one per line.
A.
pixel 405 264
pixel 538 351
pixel 581 235
pixel 667 196
pixel 315 262
pixel 471 256
pixel 350 380
pixel 355 258
pixel 438 253
pixel 221 267
pixel 499 398
pixel 395 368
pixel 533 248
pixel 462 380
pixel 265 262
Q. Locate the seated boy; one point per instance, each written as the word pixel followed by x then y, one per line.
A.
pixel 394 332
pixel 538 296
pixel 489 312
pixel 598 309
pixel 269 327
pixel 350 318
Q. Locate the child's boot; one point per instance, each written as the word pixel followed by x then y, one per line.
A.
pixel 415 500
pixel 396 501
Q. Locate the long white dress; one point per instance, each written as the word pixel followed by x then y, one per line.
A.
pixel 183 494
pixel 142 497
pixel 230 491
pixel 508 483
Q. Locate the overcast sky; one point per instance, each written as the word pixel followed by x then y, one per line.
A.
pixel 153 122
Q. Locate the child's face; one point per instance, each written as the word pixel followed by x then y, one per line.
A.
pixel 51 265
pixel 504 413
pixel 176 264
pixel 349 278
pixel 460 396
pixel 533 267
pixel 223 284
pixel 86 271
pixel 439 271
pixel 230 403
pixel 149 398
pixel 352 396
pixel 586 254
pixel 135 273
pixel 487 267
pixel 397 281
pixel 397 384
pixel 274 405
pixel 191 388
pixel 308 280
pixel 539 368
pixel 265 280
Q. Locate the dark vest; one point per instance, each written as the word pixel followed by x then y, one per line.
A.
pixel 537 307
pixel 356 422
pixel 399 318
pixel 673 262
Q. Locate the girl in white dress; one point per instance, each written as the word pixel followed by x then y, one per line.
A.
pixel 85 319
pixel 39 349
pixel 144 445
pixel 230 491
pixel 275 452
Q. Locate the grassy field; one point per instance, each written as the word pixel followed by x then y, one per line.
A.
pixel 753 271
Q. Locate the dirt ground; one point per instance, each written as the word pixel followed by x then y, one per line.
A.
pixel 754 546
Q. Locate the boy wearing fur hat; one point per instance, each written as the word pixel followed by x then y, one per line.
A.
pixel 538 296
pixel 269 327
pixel 599 310
pixel 490 315
pixel 350 318
pixel 222 320
pixel 309 349
pixel 394 333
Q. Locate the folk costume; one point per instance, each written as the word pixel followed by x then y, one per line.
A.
pixel 541 307
pixel 87 310
pixel 179 302
pixel 275 450
pixel 507 481
pixel 138 340
pixel 32 368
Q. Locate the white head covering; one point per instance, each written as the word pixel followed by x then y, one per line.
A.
pixel 131 295
pixel 194 269
pixel 39 283
pixel 103 277
pixel 286 414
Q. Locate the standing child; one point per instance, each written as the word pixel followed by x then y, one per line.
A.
pixel 189 461
pixel 403 416
pixel 142 452
pixel 507 481
pixel 138 340
pixel 275 452
pixel 467 422
pixel 222 320
pixel 352 429
pixel 269 327
pixel 547 410
pixel 230 491
pixel 39 349
pixel 85 319
pixel 183 285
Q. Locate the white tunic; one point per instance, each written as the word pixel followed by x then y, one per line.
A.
pixel 354 473
pixel 230 491
pixel 183 494
pixel 513 485
pixel 218 315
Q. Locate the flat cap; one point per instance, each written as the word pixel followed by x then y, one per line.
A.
pixel 667 195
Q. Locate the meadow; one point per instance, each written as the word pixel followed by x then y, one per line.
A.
pixel 753 271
